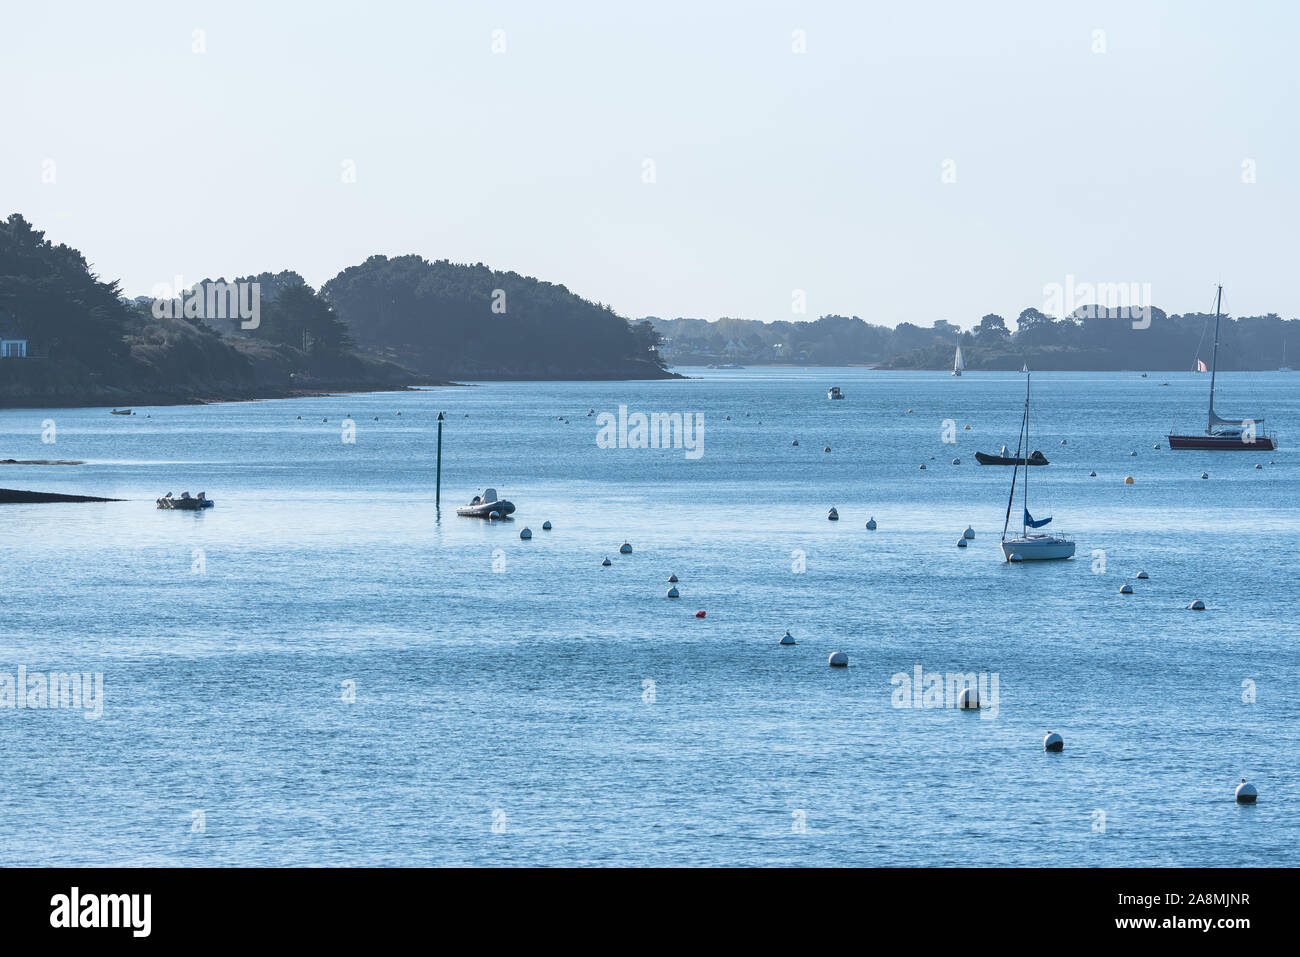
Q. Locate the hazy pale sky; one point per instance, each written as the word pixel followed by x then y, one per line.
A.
pixel 773 170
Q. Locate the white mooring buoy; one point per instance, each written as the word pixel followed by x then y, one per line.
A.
pixel 1053 743
pixel 1092 475
pixel 673 592
pixel 607 562
pixel 871 524
pixel 922 466
pixel 1258 466
pixel 1197 605
pixel 833 515
pixel 1205 475
pixel 956 461
pixel 1246 792
pixel 1015 557
pixel 625 549
pixel 526 533
pixel 961 543
pixel 1143 575
pixel 672 579
pixel 969 698
pixel 969 533
pixel 1126 589
pixel 546 526
pixel 787 638
pixel 838 659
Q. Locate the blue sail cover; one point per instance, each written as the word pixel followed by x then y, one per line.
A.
pixel 1029 520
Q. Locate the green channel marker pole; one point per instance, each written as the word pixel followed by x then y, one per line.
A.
pixel 437 489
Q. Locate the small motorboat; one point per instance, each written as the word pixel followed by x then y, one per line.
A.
pixel 186 502
pixel 1035 458
pixel 487 505
pixel 834 393
pixel 121 412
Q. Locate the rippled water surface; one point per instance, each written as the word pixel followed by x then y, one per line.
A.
pixel 593 720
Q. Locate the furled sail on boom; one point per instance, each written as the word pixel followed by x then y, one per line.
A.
pixel 1029 520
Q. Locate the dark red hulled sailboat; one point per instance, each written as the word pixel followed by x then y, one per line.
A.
pixel 1220 433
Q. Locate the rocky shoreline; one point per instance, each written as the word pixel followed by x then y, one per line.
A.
pixel 116 398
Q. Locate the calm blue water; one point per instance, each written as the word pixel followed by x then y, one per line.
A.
pixel 498 679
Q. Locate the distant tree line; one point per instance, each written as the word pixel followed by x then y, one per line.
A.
pixel 456 320
pixel 1090 338
pixel 384 323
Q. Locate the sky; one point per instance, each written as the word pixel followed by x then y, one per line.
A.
pixel 902 161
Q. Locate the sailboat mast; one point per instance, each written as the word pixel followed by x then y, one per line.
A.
pixel 1214 361
pixel 1011 496
pixel 1024 530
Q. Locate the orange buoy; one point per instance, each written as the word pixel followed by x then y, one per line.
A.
pixel 699 614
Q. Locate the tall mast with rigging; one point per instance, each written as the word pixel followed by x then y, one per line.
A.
pixel 1214 360
pixel 1024 529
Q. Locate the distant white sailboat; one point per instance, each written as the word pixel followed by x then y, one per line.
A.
pixel 957 364
pixel 1031 546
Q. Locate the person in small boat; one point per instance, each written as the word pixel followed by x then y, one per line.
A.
pixel 185 494
pixel 202 496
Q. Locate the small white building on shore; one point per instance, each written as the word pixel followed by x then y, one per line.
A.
pixel 13 344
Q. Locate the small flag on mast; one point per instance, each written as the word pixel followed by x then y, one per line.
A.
pixel 1200 365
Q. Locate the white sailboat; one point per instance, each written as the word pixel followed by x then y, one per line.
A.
pixel 1031 546
pixel 957 364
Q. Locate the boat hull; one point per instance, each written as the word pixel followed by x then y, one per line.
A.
pixel 985 459
pixel 1037 549
pixel 1262 443
pixel 502 508
pixel 185 504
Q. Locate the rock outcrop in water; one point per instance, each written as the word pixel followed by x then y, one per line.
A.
pixel 14 496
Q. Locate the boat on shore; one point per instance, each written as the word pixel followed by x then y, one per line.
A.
pixel 1031 546
pixel 487 505
pixel 1035 458
pixel 186 503
pixel 1220 433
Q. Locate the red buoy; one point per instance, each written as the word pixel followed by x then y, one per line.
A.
pixel 699 614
